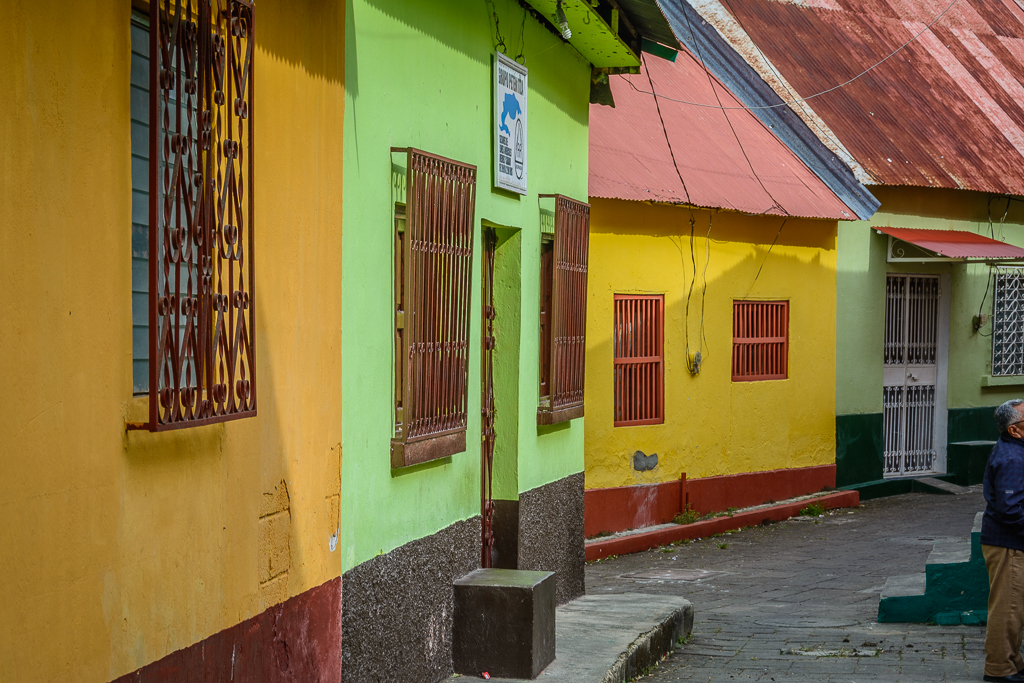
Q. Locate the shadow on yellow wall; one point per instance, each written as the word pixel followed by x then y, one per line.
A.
pixel 712 426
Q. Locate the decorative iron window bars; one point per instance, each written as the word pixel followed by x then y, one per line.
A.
pixel 760 340
pixel 638 341
pixel 433 267
pixel 564 314
pixel 201 274
pixel 1008 322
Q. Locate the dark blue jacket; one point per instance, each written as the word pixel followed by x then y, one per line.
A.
pixel 1003 523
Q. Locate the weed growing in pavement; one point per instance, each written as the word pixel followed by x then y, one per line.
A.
pixel 689 516
pixel 731 511
pixel 602 559
pixel 722 546
pixel 812 510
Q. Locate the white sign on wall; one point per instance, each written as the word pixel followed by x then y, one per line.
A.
pixel 510 88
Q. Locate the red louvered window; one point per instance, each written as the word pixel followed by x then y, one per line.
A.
pixel 760 340
pixel 638 339
pixel 563 321
pixel 433 268
pixel 201 275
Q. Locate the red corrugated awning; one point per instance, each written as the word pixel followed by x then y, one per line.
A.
pixel 956 244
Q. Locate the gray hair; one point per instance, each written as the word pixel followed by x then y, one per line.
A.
pixel 1007 414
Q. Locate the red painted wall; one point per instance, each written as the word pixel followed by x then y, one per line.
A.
pixel 296 641
pixel 635 507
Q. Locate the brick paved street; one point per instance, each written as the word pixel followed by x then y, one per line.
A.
pixel 797 600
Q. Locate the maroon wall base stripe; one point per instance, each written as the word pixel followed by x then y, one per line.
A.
pixel 645 540
pixel 298 640
pixel 636 507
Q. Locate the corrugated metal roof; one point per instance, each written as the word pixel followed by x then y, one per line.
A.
pixel 947 111
pixel 747 84
pixel 956 243
pixel 630 159
pixel 649 20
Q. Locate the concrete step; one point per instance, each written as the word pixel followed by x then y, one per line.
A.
pixel 904 586
pixel 613 638
pixel 953 551
pixel 933 485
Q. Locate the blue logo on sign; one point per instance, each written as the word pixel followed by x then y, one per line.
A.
pixel 510 109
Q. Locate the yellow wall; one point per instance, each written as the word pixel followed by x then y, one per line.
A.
pixel 713 425
pixel 118 548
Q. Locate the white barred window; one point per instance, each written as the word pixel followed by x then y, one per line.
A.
pixel 1008 323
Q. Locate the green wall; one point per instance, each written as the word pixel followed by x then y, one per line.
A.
pixel 860 314
pixel 418 73
pixel 860 320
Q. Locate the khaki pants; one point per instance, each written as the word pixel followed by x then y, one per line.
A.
pixel 1005 610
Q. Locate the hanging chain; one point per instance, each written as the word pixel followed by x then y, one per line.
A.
pixel 521 58
pixel 499 43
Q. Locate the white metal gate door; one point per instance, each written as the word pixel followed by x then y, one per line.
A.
pixel 911 371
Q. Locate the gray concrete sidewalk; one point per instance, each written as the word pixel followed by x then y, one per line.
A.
pixel 797 600
pixel 613 638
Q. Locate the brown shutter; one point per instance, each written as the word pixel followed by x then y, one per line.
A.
pixel 760 340
pixel 638 345
pixel 568 312
pixel 201 272
pixel 434 344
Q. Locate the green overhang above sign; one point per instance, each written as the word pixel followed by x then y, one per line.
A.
pixel 602 32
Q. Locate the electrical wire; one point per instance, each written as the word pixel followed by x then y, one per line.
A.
pixel 786 103
pixel 765 259
pixel 725 114
pixel 991 227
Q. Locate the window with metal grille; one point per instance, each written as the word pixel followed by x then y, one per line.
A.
pixel 194 241
pixel 433 266
pixel 760 340
pixel 638 340
pixel 1008 323
pixel 563 321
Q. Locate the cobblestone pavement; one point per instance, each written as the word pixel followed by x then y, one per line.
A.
pixel 797 600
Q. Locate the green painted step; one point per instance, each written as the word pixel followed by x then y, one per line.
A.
pixel 952 589
pixel 880 488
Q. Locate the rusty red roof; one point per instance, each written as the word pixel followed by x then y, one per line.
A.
pixel 946 111
pixel 630 158
pixel 956 243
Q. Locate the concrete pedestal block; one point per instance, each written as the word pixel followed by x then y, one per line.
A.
pixel 504 623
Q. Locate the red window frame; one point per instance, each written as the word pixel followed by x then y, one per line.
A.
pixel 760 340
pixel 638 343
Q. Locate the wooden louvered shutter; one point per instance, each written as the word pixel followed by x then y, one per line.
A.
pixel 760 340
pixel 202 349
pixel 568 313
pixel 434 256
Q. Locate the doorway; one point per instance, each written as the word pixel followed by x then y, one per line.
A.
pixel 501 314
pixel 915 368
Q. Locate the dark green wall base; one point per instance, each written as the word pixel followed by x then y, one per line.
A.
pixel 859 449
pixel 971 424
pixel 965 461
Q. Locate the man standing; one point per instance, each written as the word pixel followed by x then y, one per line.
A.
pixel 1002 543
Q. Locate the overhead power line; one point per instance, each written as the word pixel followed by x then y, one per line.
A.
pixel 786 103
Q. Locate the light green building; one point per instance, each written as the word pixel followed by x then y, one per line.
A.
pixel 420 76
